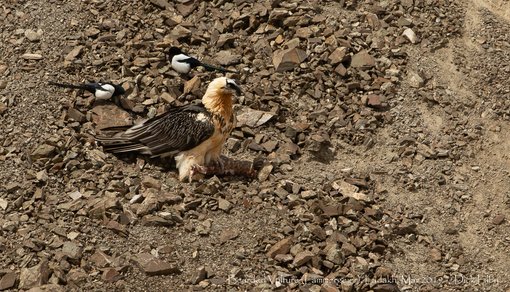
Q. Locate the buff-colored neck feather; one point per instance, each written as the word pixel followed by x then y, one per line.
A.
pixel 218 102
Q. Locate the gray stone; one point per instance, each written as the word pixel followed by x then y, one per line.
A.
pixel 153 266
pixel 285 60
pixel 281 247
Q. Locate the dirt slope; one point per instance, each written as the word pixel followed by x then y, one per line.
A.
pixel 387 159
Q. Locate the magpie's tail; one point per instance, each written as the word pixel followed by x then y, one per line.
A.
pixel 87 87
pixel 212 68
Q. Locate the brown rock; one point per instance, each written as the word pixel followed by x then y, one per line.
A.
pixel 285 60
pixel 373 21
pixel 74 53
pixel 43 151
pixel 498 219
pixel 141 62
pixel 153 266
pixel 348 249
pixel 186 9
pixel 35 276
pixel 169 198
pixel 163 4
pixel 100 259
pixel 375 101
pixel 224 205
pixel 180 32
pixel 341 70
pixel 12 187
pixel 451 229
pixel 415 80
pixel 33 36
pixel 405 228
pixel 226 58
pixel 338 55
pixel 226 39
pixel 192 85
pixel 253 118
pixel 111 275
pixel 116 226
pixel 199 275
pixel 264 172
pixel 72 250
pixel 3 204
pixel 347 285
pixel 304 32
pixel 270 145
pixel 167 97
pixel 149 204
pixel 174 20
pixel 48 288
pixel 385 288
pixel 76 115
pixel 344 187
pixel 435 254
pixel 284 258
pixel 383 272
pixel 278 14
pixel 302 258
pixel 410 35
pixel 334 254
pixel 151 183
pixel 329 287
pixel 407 3
pixel 91 32
pixel 309 194
pixel 281 247
pixel 332 210
pixel 312 278
pixel 363 60
pixel 29 56
pixel 228 234
pixel 3 108
pixel 110 115
pixel 8 281
pixel 153 220
pixel 402 21
pixel 77 276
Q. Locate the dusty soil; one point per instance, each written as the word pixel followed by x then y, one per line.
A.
pixel 387 160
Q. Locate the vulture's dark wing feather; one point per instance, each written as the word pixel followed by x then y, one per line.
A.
pixel 178 129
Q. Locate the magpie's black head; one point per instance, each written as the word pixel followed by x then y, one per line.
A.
pixel 119 90
pixel 173 51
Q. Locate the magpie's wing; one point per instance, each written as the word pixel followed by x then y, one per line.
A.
pixel 103 86
pixel 177 130
pixel 193 62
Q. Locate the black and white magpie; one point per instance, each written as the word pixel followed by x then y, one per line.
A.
pixel 183 63
pixel 100 90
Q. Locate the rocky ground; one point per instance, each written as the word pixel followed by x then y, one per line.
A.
pixel 384 126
